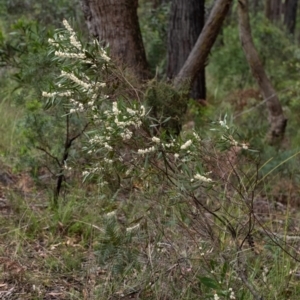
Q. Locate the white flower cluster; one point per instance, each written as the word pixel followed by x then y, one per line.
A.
pixel 51 42
pixel 235 143
pixel 95 170
pixel 202 178
pixel 111 214
pixel 77 106
pixel 231 295
pixel 104 55
pixel 108 161
pixel 97 139
pixel 229 138
pixel 73 38
pixel 70 55
pixel 186 145
pixel 121 120
pixel 66 167
pixel 107 146
pixel 223 124
pixel 216 297
pixel 156 140
pixel 76 51
pixel 232 141
pixel 127 134
pixel 75 79
pixel 146 150
pixel 169 145
pixel 196 135
pixel 55 94
pixel 132 112
pixel 244 146
pixel 116 122
pixel 85 173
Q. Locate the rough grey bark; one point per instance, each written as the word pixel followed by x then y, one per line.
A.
pixel 277 119
pixel 187 19
pixel 115 22
pixel 199 54
pixel 290 15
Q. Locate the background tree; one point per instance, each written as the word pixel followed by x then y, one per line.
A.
pixel 198 56
pixel 290 15
pixel 257 6
pixel 273 10
pixel 116 23
pixel 187 19
pixel 277 119
pixel 194 63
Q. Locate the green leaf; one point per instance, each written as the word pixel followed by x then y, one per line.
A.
pixel 209 282
pixel 224 270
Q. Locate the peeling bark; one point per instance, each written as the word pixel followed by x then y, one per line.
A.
pixel 276 117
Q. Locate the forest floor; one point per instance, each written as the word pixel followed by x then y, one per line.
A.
pixel 36 261
pixel 40 259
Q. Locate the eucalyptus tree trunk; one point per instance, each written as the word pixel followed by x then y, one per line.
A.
pixel 290 15
pixel 276 118
pixel 199 54
pixel 115 22
pixel 187 19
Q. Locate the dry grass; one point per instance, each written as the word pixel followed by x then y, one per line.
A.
pixel 54 254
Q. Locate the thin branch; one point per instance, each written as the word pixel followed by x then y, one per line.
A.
pixel 49 154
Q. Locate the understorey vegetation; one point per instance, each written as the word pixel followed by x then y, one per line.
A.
pixel 113 188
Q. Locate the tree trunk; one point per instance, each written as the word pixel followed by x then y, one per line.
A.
pixel 277 119
pixel 290 15
pixel 278 10
pixel 273 10
pixel 199 54
pixel 268 13
pixel 186 22
pixel 115 22
pixel 255 6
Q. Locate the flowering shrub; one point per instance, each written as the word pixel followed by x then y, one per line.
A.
pixel 120 135
pixel 119 140
pixel 126 152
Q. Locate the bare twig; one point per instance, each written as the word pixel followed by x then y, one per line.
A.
pixel 49 154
